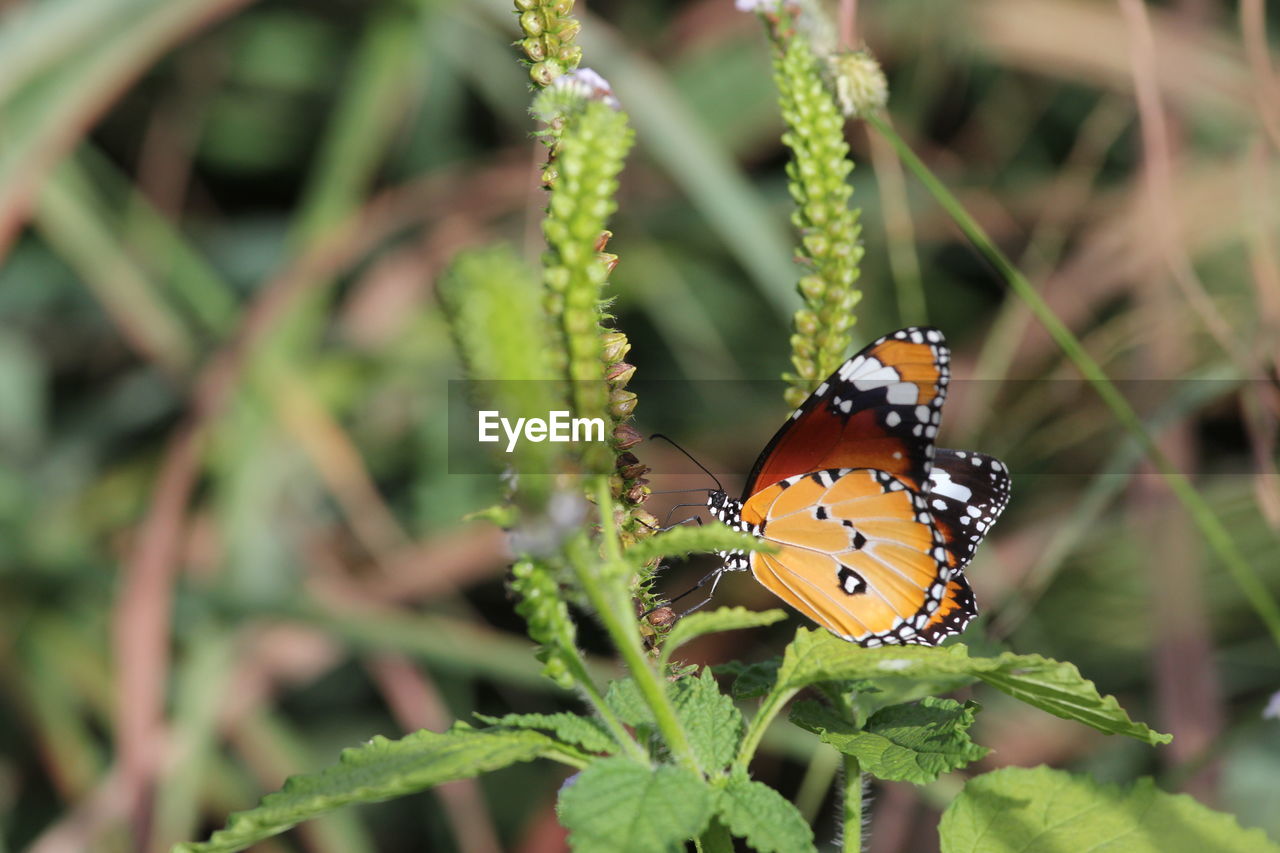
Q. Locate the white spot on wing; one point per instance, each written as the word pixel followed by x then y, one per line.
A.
pixel 942 484
pixel 903 393
pixel 867 379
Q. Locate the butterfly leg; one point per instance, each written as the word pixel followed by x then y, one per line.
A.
pixel 714 577
pixel 715 582
pixel 666 525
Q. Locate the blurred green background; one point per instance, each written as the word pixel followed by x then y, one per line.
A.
pixel 229 541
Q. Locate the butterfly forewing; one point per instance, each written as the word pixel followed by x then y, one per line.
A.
pixel 880 410
pixel 858 553
pixel 966 493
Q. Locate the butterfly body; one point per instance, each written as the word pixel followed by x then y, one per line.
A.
pixel 872 524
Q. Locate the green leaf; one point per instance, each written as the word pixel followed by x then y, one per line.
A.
pixel 712 721
pixel 586 732
pixel 1059 688
pixel 916 742
pixel 1041 810
pixel 624 698
pixel 751 679
pixel 619 805
pixel 723 619
pixel 379 770
pixel 761 815
pixel 1050 685
pixel 684 540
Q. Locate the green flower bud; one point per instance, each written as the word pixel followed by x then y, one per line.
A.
pixel 542 607
pixel 570 55
pixel 622 404
pixel 544 73
pixel 534 49
pixel 619 374
pixel 567 29
pixel 531 23
pixel 615 347
pixel 812 287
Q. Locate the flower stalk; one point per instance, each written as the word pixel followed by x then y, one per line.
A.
pixel 828 228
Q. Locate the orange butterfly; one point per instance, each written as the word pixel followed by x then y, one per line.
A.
pixel 874 526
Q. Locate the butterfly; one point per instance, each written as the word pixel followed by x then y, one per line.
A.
pixel 873 524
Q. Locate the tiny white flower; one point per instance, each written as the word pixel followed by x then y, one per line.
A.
pixel 758 5
pixel 588 83
pixel 543 535
pixel 861 88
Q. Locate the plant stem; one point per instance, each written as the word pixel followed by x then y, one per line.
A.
pixel 1211 527
pixel 579 669
pixel 610 601
pixel 769 709
pixel 852 835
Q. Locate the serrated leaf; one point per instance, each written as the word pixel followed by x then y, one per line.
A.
pixel 915 742
pixel 1053 686
pixel 682 541
pixel 1059 688
pixel 586 732
pixel 624 699
pixel 619 806
pixel 723 619
pixel 751 679
pixel 768 822
pixel 712 721
pixel 379 770
pixel 1041 810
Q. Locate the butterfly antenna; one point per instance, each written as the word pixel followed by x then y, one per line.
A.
pixel 690 456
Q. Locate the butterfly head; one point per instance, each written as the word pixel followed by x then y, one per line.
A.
pixel 724 508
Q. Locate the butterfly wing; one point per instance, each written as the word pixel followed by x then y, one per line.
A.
pixel 880 410
pixel 859 555
pixel 966 493
pixel 954 613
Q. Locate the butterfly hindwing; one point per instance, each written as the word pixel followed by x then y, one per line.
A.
pixel 966 493
pixel 858 553
pixel 954 614
pixel 880 410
